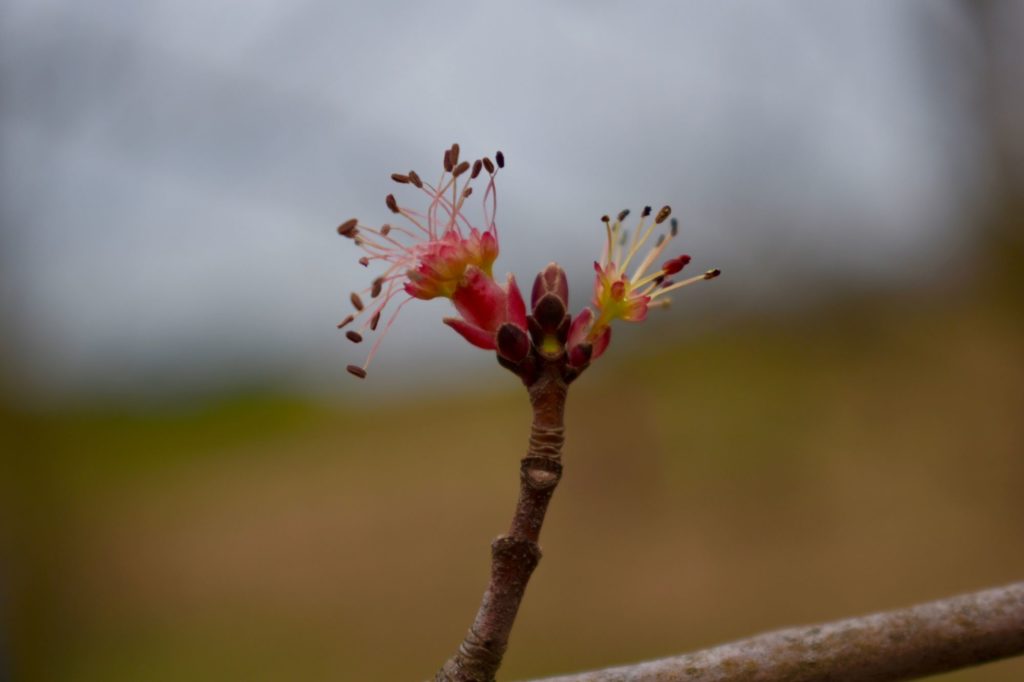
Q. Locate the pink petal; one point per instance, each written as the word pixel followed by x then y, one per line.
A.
pixel 516 305
pixel 480 300
pixel 601 343
pixel 580 327
pixel 475 335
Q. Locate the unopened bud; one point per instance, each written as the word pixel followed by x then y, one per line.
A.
pixel 513 343
pixel 551 280
pixel 549 312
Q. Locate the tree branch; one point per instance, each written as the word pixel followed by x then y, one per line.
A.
pixel 516 554
pixel 921 640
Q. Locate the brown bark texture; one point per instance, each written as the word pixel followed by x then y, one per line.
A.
pixel 926 639
pixel 515 554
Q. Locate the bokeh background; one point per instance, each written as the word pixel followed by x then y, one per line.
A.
pixel 191 486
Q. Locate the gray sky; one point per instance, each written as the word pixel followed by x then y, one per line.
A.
pixel 173 171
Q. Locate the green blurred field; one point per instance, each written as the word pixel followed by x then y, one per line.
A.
pixel 787 470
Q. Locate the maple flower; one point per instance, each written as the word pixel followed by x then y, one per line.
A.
pixel 437 252
pixel 619 295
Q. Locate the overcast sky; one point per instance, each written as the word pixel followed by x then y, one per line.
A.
pixel 173 171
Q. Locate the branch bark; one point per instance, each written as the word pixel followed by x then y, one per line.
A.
pixel 515 555
pixel 926 639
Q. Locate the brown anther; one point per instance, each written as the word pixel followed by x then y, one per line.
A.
pixel 455 154
pixel 674 265
pixel 354 337
pixel 392 203
pixel 346 321
pixel 499 157
pixel 646 212
pixel 348 228
pixel 378 284
pixel 364 261
pixel 605 219
pixel 711 274
pixel 663 215
pixel 623 214
pixel 460 169
pixel 384 230
pixel 415 179
pixel 399 178
pixel 488 165
pixel 466 192
pixel 477 165
pixel 374 320
pixel 448 160
pixel 356 371
pixel 356 301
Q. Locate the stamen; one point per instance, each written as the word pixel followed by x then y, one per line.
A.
pixel 623 214
pixel 447 161
pixel 348 320
pixel 476 169
pixel 671 267
pixel 384 230
pixel 500 158
pixel 375 319
pixel 348 228
pixel 354 337
pixel 392 203
pixel 663 214
pixel 488 166
pixel 460 169
pixel 356 371
pixel 675 227
pixel 364 261
pixel 356 301
pixel 378 284
pixel 646 212
pixel 400 179
pixel 455 154
pixel 415 179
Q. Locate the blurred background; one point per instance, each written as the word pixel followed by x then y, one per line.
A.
pixel 191 486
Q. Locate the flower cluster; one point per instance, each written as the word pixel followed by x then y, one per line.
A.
pixel 438 252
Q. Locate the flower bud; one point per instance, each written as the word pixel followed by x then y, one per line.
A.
pixel 551 280
pixel 513 343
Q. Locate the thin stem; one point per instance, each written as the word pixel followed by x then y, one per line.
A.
pixel 926 639
pixel 515 555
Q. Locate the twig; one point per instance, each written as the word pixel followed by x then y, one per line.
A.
pixel 921 640
pixel 516 554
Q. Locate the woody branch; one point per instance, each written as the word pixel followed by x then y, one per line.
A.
pixel 926 639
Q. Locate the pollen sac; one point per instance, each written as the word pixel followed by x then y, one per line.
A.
pixel 673 266
pixel 348 228
pixel 551 280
